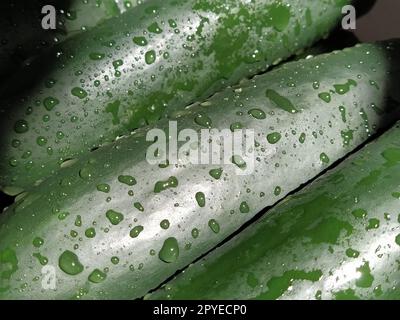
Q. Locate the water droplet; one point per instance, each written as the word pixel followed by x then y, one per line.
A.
pixel 13 162
pixel 201 199
pixel 117 63
pixel 79 92
pixel 257 113
pixel 78 221
pixel 236 126
pixel 103 187
pixel 96 56
pixel 372 224
pixel 214 226
pixel 216 173
pixel 114 260
pixel 138 206
pixel 302 138
pixel 114 216
pixel 164 224
pixel 97 276
pixel 397 240
pixel 150 57
pixel 50 102
pixel 374 84
pixel 86 173
pixel 359 213
pixel 280 101
pixel 351 253
pixel 172 182
pixel 49 83
pixel 324 158
pixel 42 259
pixel 315 85
pixel 342 110
pixel 37 242
pixel 244 207
pixel 63 215
pixel 128 180
pixel 203 120
pixel 136 231
pixel 347 137
pixel 365 279
pixel 325 96
pixel 140 41
pixel 172 23
pixel 274 137
pixel 238 161
pixel 90 232
pixel 195 233
pixel 21 126
pixel 170 250
pixel 16 143
pixel 277 190
pixel 154 28
pixel 344 88
pixel 41 141
pixel 69 263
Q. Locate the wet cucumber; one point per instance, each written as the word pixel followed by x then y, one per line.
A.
pixel 24 38
pixel 111 225
pixel 131 70
pixel 339 238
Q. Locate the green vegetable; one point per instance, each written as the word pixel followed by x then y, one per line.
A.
pixel 132 70
pixel 339 238
pixel 203 203
pixel 24 38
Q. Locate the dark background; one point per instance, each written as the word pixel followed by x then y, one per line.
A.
pixel 382 22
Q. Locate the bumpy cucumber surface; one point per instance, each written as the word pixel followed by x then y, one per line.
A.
pixel 24 38
pixel 113 226
pixel 157 57
pixel 339 238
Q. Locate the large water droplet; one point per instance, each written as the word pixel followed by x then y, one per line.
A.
pixel 172 182
pixel 128 180
pixel 69 263
pixel 201 199
pixel 214 226
pixel 150 57
pixel 114 216
pixel 170 250
pixel 79 92
pixel 258 114
pixel 216 173
pixel 21 126
pixel 97 276
pixel 136 231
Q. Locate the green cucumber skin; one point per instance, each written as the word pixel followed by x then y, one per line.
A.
pixel 36 214
pixel 309 238
pixel 24 37
pixel 200 62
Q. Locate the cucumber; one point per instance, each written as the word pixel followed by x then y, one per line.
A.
pixel 24 38
pixel 338 238
pixel 133 69
pixel 112 210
